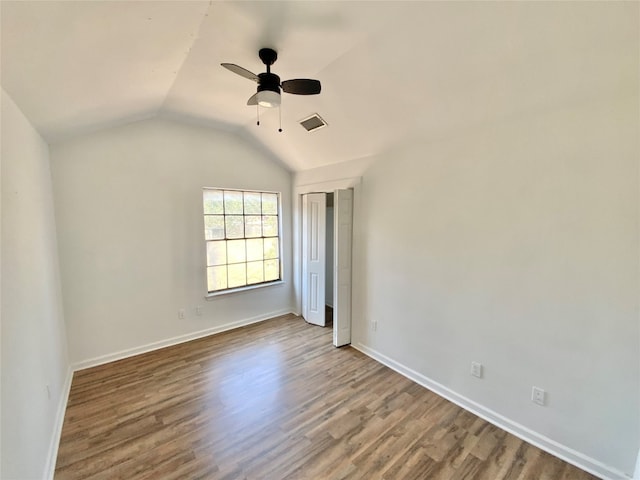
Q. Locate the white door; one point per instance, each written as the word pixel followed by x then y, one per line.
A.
pixel 313 257
pixel 343 228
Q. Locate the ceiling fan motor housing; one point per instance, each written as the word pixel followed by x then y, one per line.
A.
pixel 269 81
pixel 268 56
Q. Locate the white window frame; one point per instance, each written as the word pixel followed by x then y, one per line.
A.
pixel 243 288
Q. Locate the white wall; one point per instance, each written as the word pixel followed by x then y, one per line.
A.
pixel 34 352
pixel 130 228
pixel 514 244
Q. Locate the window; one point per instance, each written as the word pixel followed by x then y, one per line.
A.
pixel 242 233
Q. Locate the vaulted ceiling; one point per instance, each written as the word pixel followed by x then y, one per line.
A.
pixel 389 70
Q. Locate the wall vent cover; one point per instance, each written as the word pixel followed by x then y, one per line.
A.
pixel 313 122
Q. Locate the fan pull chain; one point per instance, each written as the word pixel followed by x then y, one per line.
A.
pixel 258 113
pixel 280 115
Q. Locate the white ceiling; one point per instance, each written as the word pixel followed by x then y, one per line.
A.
pixel 389 70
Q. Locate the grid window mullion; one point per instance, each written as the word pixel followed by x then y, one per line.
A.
pixel 237 208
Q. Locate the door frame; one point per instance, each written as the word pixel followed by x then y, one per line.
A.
pixel 299 190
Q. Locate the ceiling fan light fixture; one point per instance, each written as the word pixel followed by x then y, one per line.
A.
pixel 268 99
pixel 269 84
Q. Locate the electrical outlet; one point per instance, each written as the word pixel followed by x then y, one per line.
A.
pixel 476 369
pixel 538 396
pixel 374 325
pixel 181 314
pixel 198 310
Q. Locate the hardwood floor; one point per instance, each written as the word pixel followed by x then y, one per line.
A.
pixel 276 400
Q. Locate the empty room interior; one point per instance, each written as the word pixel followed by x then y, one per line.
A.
pixel 320 240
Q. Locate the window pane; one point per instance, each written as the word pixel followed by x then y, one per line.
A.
pixel 242 238
pixel 254 249
pixel 235 226
pixel 269 226
pixel 212 200
pixel 236 251
pixel 252 203
pixel 237 275
pixel 217 278
pixel 216 253
pixel 252 226
pixel 269 204
pixel 213 227
pixel 232 203
pixel 271 270
pixel 271 248
pixel 255 272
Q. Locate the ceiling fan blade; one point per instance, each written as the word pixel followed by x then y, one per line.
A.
pixel 243 72
pixel 301 86
pixel 253 100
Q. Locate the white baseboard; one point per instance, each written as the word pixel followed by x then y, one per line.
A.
pixel 544 443
pixel 64 396
pixel 50 467
pixel 111 357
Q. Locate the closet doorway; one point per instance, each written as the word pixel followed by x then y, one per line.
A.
pixel 326 243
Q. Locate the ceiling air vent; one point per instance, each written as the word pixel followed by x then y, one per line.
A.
pixel 312 123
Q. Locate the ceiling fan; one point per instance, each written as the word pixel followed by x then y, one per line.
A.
pixel 269 85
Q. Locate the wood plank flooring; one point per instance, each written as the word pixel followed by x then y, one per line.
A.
pixel 275 401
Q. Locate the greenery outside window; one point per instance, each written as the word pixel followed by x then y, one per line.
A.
pixel 242 235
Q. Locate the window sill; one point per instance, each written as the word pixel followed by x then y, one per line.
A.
pixel 212 295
